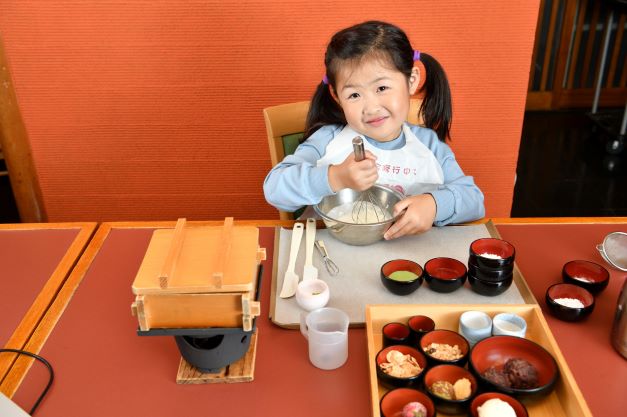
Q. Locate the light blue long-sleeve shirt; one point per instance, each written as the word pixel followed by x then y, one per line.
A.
pixel 297 181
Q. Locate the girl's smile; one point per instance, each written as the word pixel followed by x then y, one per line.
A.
pixel 374 97
pixel 377 122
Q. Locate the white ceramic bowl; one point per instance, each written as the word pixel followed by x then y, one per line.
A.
pixel 509 324
pixel 312 294
pixel 475 326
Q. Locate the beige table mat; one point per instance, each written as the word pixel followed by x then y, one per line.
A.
pixel 358 282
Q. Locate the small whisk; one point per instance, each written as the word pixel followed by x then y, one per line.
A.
pixel 366 208
pixel 331 267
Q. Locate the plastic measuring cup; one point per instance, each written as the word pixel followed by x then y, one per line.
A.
pixel 326 330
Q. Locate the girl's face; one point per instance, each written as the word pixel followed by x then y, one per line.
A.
pixel 375 97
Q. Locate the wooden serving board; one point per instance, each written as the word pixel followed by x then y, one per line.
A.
pixel 565 401
pixel 359 284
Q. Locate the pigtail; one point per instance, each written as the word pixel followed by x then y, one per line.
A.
pixel 323 111
pixel 436 107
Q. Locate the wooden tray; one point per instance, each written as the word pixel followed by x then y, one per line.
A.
pixel 565 401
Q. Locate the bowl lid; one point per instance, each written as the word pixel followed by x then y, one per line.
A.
pixel 201 259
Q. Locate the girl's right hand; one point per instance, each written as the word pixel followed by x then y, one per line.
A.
pixel 352 174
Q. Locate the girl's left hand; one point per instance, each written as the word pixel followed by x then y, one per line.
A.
pixel 418 218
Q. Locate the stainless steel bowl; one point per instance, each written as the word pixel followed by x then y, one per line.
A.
pixel 358 234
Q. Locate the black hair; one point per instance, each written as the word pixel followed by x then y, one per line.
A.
pixel 384 40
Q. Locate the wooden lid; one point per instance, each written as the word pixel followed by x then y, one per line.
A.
pixel 200 260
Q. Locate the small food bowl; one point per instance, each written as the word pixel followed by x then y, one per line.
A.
pixel 589 275
pixel 419 326
pixel 557 296
pixel 344 228
pixel 483 252
pixel 396 334
pixel 445 274
pixel 395 276
pixel 494 275
pixel 519 408
pixel 493 353
pixel 393 402
pixel 451 374
pixel 489 288
pixel 400 382
pixel 448 337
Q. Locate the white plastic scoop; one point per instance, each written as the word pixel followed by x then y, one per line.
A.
pixel 310 271
pixel 290 280
pixel 312 293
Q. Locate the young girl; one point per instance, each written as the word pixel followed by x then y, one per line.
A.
pixel 370 77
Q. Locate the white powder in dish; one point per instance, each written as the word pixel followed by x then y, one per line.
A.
pixel 584 279
pixel 490 255
pixel 359 212
pixel 496 407
pixel 569 302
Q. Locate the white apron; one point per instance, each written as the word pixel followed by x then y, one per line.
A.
pixel 412 169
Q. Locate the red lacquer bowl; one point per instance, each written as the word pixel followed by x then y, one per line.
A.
pixel 445 274
pixel 495 351
pixel 392 402
pixel 593 277
pixel 573 292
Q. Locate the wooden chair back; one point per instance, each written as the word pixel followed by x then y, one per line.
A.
pixel 285 125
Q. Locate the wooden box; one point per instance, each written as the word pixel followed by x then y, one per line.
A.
pixel 196 277
pixel 565 401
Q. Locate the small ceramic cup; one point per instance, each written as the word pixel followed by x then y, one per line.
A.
pixel 509 324
pixel 475 326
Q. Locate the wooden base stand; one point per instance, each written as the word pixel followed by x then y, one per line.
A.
pixel 241 371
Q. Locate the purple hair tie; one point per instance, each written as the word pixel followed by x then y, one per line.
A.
pixel 325 80
pixel 416 55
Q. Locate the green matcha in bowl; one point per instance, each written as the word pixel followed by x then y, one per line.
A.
pixel 401 276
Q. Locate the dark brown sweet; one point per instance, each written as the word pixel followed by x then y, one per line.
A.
pixel 496 377
pixel 521 374
pixel 516 373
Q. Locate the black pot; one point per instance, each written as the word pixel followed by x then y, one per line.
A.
pixel 210 354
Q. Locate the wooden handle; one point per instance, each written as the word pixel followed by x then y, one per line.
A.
pixel 167 271
pixel 224 253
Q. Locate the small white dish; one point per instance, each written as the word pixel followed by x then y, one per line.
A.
pixel 475 326
pixel 312 294
pixel 509 324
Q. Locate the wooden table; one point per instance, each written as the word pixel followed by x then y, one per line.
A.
pixel 35 260
pixel 103 368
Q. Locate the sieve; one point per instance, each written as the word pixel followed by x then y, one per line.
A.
pixel 614 250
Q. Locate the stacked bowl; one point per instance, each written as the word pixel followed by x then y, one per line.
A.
pixel 491 266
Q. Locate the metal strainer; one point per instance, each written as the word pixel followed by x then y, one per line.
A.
pixel 614 250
